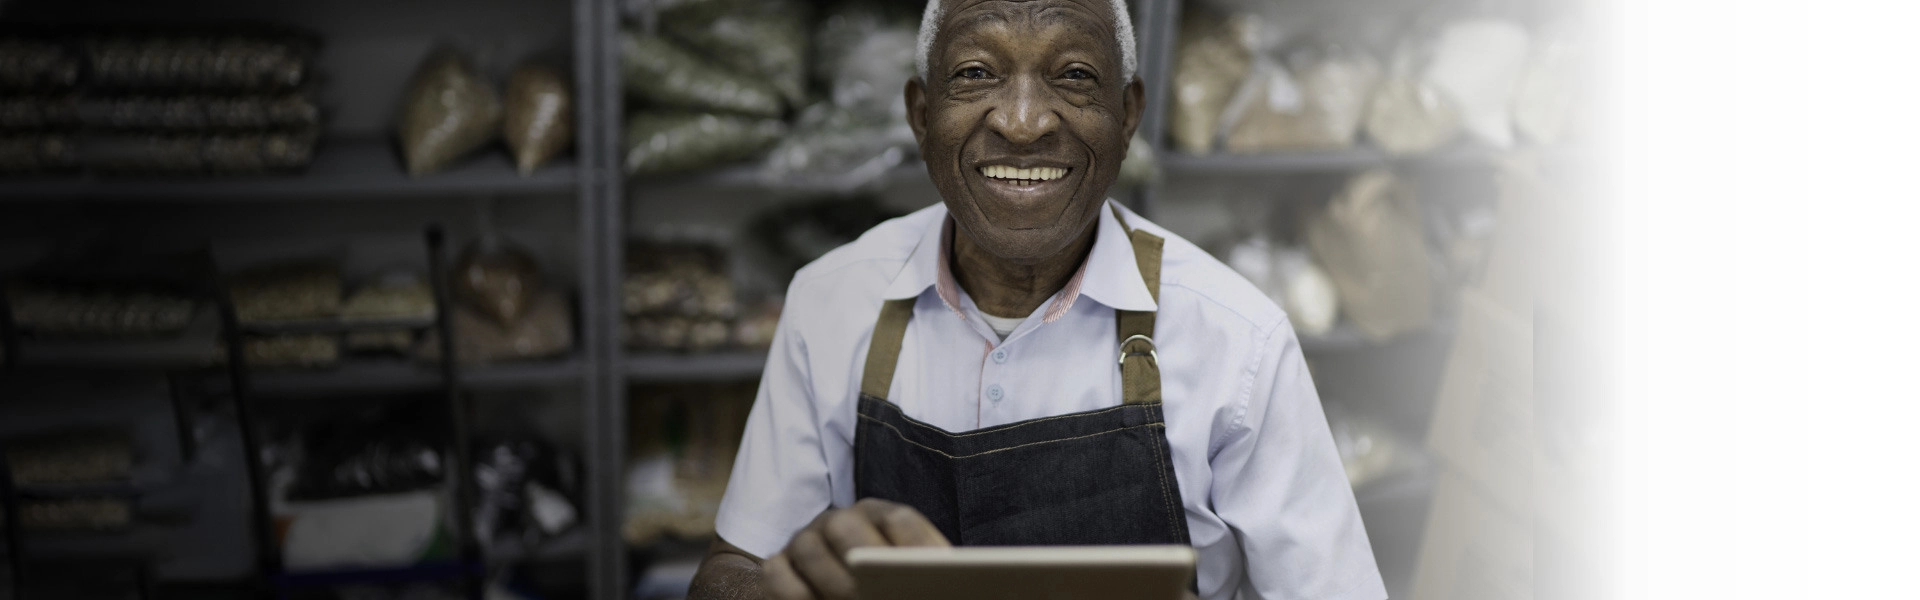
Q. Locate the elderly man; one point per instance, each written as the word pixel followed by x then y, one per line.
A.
pixel 1028 362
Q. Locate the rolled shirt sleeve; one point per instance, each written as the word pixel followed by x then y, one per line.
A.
pixel 780 478
pixel 1279 486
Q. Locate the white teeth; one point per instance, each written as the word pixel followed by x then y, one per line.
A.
pixel 1023 176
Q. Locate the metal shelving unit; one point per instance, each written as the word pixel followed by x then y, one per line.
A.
pixel 722 366
pixel 363 173
pixel 752 177
pixel 359 173
pixel 1318 161
pixel 395 376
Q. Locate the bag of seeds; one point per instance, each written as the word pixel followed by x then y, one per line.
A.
pixel 539 121
pixel 763 38
pixel 663 73
pixel 670 142
pixel 450 110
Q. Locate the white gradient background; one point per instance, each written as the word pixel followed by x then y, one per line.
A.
pixel 1765 252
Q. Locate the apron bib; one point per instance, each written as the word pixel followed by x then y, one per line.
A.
pixel 1103 476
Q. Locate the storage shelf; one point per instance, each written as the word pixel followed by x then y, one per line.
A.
pixel 342 168
pixel 726 366
pixel 572 544
pixel 137 540
pixel 751 176
pixel 74 490
pixel 1345 337
pixel 1314 161
pixel 393 376
pixel 335 325
pixel 433 571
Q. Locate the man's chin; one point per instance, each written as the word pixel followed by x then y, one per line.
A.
pixel 1024 246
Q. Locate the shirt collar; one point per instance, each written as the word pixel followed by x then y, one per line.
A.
pixel 1109 276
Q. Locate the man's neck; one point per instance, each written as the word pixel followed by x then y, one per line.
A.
pixel 1007 289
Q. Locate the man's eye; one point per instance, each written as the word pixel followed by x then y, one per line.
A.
pixel 1078 74
pixel 973 73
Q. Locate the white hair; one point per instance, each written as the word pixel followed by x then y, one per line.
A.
pixel 937 12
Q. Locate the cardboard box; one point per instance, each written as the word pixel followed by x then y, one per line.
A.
pixel 1473 548
pixel 1511 268
pixel 1482 427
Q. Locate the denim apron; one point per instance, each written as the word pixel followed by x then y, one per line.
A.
pixel 1097 477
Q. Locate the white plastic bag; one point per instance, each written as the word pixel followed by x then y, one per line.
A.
pixel 1314 101
pixel 1372 244
pixel 1478 62
pixel 1408 115
pixel 1548 91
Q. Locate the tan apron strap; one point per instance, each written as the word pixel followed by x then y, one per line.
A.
pixel 883 353
pixel 1139 363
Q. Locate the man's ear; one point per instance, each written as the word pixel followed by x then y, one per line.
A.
pixel 916 97
pixel 1136 103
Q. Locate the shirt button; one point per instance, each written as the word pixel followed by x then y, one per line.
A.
pixel 1000 356
pixel 994 392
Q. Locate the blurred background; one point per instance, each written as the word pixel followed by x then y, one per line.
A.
pixel 239 240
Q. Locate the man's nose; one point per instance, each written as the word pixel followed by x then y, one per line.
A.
pixel 1026 116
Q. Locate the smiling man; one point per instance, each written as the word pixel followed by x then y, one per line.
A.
pixel 1028 363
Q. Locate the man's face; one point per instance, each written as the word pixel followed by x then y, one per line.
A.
pixel 1023 120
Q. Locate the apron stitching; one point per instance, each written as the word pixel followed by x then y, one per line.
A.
pixel 903 437
pixel 1159 458
pixel 912 421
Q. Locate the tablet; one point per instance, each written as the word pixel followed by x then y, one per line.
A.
pixel 1010 572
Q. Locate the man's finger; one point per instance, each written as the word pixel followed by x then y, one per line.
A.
pixel 847 530
pixel 779 581
pixel 902 525
pixel 820 566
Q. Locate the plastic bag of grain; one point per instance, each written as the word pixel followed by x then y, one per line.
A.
pixel 299 351
pixel 539 120
pixel 396 295
pixel 1408 115
pixel 670 142
pixel 854 147
pixel 33 64
pixel 546 330
pixel 199 112
pixel 1315 100
pixel 1478 63
pixel 497 279
pixel 33 112
pixel 38 153
pixel 1548 92
pixel 231 61
pixel 450 110
pixel 53 311
pixel 763 38
pixel 1209 64
pixel 663 73
pixel 286 292
pixel 86 456
pixel 1371 242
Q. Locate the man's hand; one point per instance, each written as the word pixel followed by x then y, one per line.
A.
pixel 814 564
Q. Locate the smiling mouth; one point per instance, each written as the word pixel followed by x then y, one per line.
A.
pixel 1020 177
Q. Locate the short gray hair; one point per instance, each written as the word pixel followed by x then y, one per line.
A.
pixel 936 12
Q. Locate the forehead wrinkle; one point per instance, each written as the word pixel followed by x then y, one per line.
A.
pixel 939 17
pixel 1049 11
pixel 1068 15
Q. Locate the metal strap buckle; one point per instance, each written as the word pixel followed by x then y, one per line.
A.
pixel 1150 353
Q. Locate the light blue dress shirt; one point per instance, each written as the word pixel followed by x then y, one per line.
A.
pixel 1267 502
